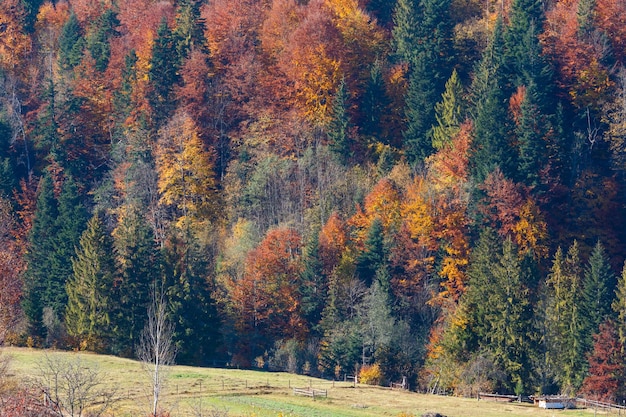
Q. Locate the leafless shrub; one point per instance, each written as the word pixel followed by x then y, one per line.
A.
pixel 72 388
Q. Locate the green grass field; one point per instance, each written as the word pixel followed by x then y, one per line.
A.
pixel 195 392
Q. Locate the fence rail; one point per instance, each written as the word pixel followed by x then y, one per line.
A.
pixel 583 402
pixel 309 392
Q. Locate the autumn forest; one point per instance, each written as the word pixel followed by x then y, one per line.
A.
pixel 424 189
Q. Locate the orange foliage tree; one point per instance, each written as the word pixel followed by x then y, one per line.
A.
pixel 14 42
pixel 511 211
pixel 312 63
pixel 384 203
pixel 578 53
pixel 611 18
pixel 449 174
pixel 266 299
pixel 333 239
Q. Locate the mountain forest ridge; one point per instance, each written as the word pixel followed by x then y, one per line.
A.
pixel 429 189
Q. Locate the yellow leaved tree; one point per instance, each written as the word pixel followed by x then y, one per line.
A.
pixel 186 172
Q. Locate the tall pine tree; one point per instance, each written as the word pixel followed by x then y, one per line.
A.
pixel 138 270
pixel 87 315
pixel 163 74
pixel 196 323
pixel 566 347
pixel 338 129
pixel 491 147
pixel 71 43
pixel 449 113
pixel 422 38
pixel 41 243
pixel 598 291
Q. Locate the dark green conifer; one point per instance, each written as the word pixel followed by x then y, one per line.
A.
pixel 375 105
pixel 98 41
pixel 619 306
pixel 41 243
pixel 71 43
pixel 89 303
pixel 530 132
pixel 509 319
pixel 190 27
pixel 164 66
pixel 373 259
pixel 8 181
pixel 598 291
pixel 68 228
pixel 422 38
pixel 314 284
pixel 491 147
pixel 338 128
pixel 192 308
pixel 138 270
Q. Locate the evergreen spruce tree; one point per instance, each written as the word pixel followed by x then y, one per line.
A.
pixel 69 226
pixel 374 256
pixel 491 147
pixel 98 41
pixel 419 113
pixel 31 7
pixel 138 270
pixel 567 347
pixel 338 129
pixel 509 319
pixel 525 22
pixel 530 133
pixel 619 306
pixel 314 284
pixel 41 243
pixel 481 267
pixel 8 180
pixel 598 291
pixel 163 74
pixel 404 35
pixel 122 98
pixel 375 104
pixel 448 113
pixel 47 139
pixel 196 324
pixel 87 315
pixel 71 43
pixel 422 38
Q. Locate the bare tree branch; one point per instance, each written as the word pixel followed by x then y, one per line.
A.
pixel 71 388
pixel 156 348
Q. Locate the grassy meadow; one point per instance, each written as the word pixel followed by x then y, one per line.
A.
pixel 210 392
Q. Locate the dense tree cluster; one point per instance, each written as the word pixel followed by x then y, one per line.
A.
pixel 433 189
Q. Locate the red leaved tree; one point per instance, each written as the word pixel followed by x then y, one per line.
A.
pixel 266 299
pixel 607 367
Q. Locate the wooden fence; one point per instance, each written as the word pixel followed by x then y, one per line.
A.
pixel 603 406
pixel 310 392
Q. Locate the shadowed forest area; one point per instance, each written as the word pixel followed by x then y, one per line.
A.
pixel 422 189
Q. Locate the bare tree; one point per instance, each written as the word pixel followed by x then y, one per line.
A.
pixel 156 348
pixel 71 388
